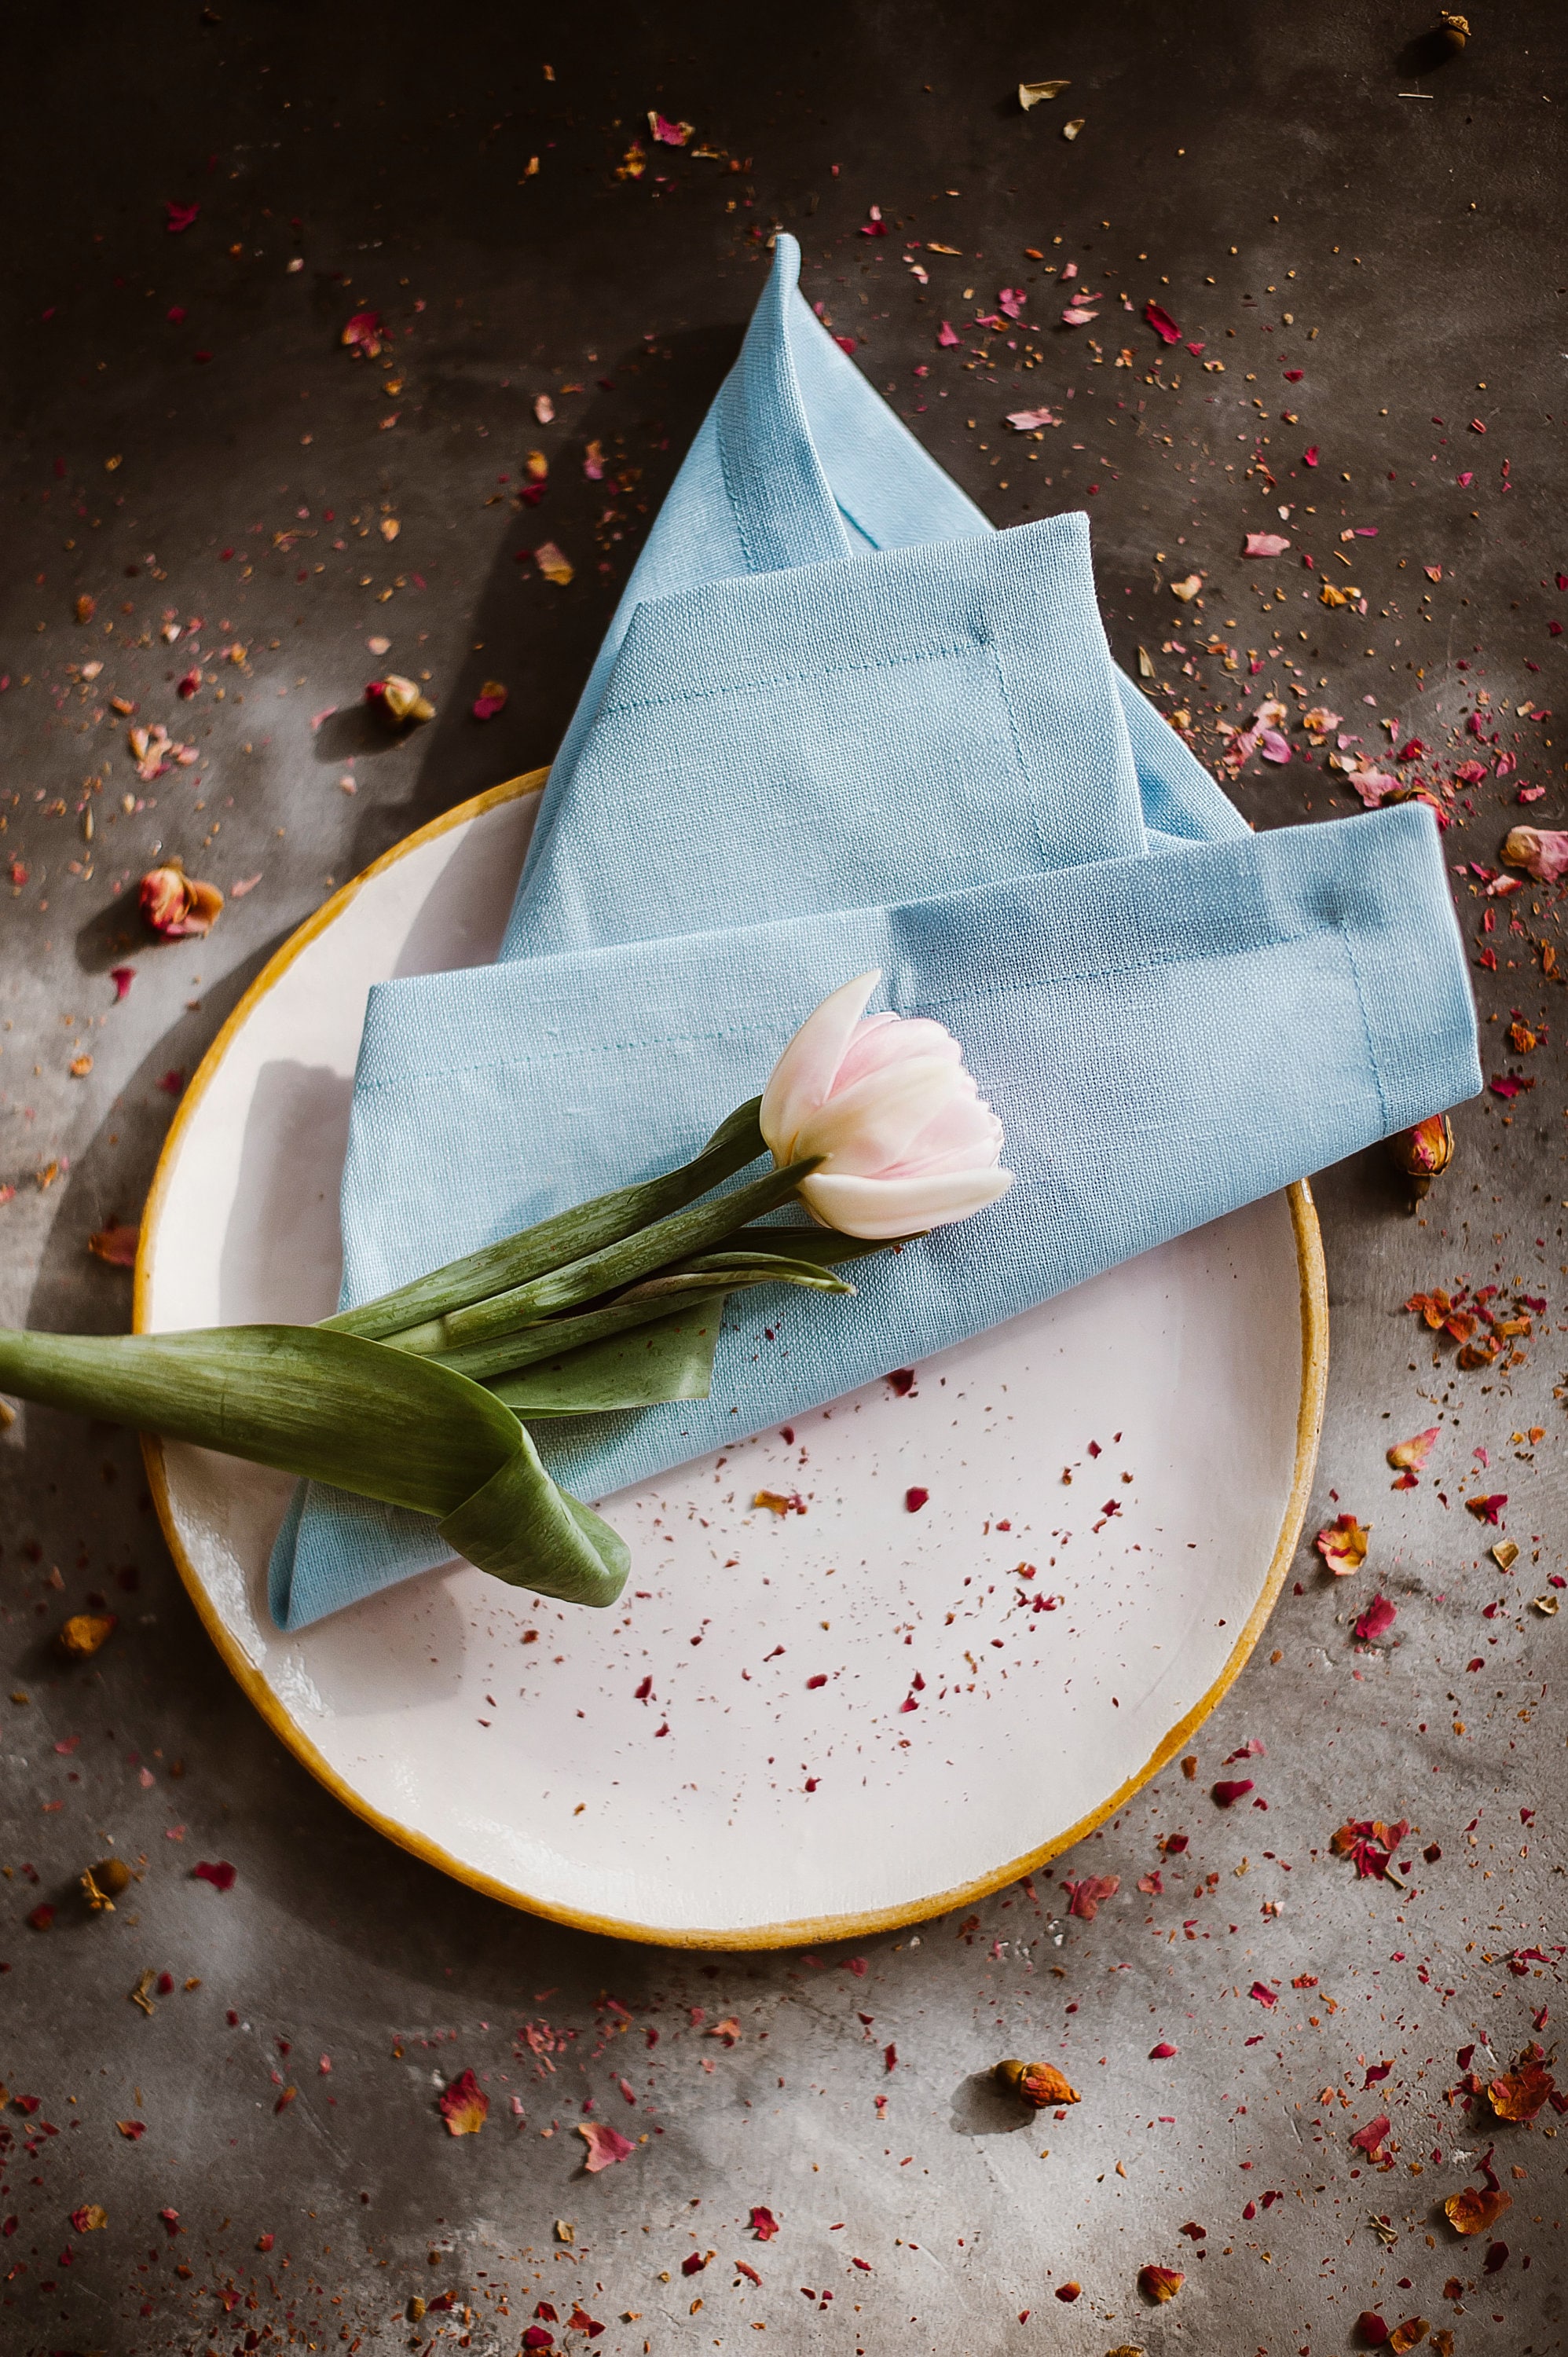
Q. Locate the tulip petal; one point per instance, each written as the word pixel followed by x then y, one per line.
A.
pixel 899 1207
pixel 805 1072
pixel 964 1135
pixel 862 1129
pixel 883 1040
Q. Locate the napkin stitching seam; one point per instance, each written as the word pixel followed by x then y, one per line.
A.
pixel 824 670
pixel 979 994
pixel 1349 954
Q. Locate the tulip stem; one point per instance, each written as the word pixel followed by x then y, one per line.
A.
pixel 569 1235
pixel 694 1229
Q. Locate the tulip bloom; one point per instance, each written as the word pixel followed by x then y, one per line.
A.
pixel 902 1137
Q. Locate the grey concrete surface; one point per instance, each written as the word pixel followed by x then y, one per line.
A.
pixel 187 437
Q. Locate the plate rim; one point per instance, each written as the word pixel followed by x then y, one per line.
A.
pixel 802 1930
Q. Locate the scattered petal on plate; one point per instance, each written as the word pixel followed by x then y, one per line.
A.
pixel 1165 328
pixel 1265 543
pixel 543 408
pixel 553 563
pixel 1029 421
pixel 1070 131
pixel 1159 2283
pixel 178 217
pixel 1370 2138
pixel 490 699
pixel 81 1636
pixel 764 2224
pixel 1188 589
pixel 668 134
pixel 216 1871
pixel 1487 1509
pixel 89 2218
pixel 1030 94
pixel 1084 1897
pixel 1229 1790
pixel 945 336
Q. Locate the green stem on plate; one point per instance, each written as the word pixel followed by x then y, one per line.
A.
pixel 696 1229
pixel 333 1407
pixel 569 1235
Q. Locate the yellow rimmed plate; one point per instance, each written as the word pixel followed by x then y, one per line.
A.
pixel 800 1725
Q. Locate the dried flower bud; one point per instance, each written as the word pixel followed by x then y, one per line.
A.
pixel 1540 851
pixel 1425 1151
pixel 1040 2084
pixel 177 905
pixel 81 1636
pixel 103 1883
pixel 1452 30
pixel 399 698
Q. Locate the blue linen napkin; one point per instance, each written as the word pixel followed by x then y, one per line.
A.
pixel 838 722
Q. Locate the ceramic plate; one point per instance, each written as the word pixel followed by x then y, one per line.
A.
pixel 796 1724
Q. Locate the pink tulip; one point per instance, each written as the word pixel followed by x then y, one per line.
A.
pixel 906 1142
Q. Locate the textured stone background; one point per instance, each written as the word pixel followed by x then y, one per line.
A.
pixel 180 418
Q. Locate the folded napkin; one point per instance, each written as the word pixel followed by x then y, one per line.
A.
pixel 838 722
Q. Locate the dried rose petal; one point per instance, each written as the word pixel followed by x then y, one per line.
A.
pixel 1486 1510
pixel 606 2145
pixel 1229 1790
pixel 175 906
pixel 1084 1897
pixel 1265 543
pixel 1520 2093
pixel 1069 2291
pixel 216 1871
pixel 1409 1456
pixel 89 2218
pixel 1160 2284
pixel 1370 2138
pixel 1541 852
pixel 764 2224
pixel 553 563
pixel 1343 1545
pixel 116 1244
pixel 464 2105
pixel 1371 2328
pixel 1040 2084
pixel 1160 320
pixel 362 334
pixel 1409 2335
pixel 490 699
pixel 1377 1620
pixel 81 1635
pixel 1476 2209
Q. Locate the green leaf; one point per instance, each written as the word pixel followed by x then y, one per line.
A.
pixel 740 1269
pixel 672 1358
pixel 823 1245
pixel 332 1407
pixel 665 1242
pixel 567 1236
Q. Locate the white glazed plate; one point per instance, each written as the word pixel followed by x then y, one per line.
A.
pixel 796 1725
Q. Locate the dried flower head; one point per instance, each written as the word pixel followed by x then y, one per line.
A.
pixel 1040 2084
pixel 400 699
pixel 1424 1152
pixel 81 1635
pixel 103 1883
pixel 177 905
